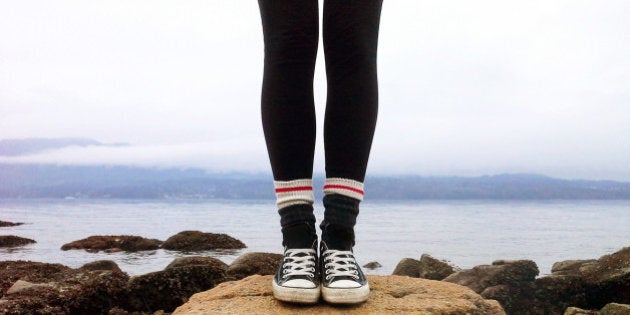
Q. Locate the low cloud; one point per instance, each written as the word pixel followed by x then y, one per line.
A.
pixel 243 155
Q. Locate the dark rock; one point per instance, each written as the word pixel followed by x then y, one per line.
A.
pixel 546 295
pixel 94 292
pixel 39 300
pixel 73 291
pixel 408 267
pixel 478 278
pixel 584 284
pixel 14 241
pixel 12 271
pixel 7 224
pixel 127 243
pixel 170 288
pixel 254 263
pixel 196 241
pixel 101 265
pixel 433 269
pixel 570 265
pixel 608 279
pixel 372 265
pixel 195 261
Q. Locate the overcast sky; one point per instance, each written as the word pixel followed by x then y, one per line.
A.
pixel 466 87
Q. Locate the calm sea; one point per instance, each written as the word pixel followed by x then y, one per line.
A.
pixel 466 233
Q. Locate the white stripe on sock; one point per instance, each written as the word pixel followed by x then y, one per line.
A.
pixel 344 186
pixel 294 192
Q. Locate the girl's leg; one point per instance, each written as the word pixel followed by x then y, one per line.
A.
pixel 290 29
pixel 350 44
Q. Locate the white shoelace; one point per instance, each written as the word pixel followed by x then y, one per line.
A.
pixel 339 263
pixel 299 262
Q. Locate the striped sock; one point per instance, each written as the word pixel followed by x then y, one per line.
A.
pixel 345 187
pixel 295 206
pixel 294 192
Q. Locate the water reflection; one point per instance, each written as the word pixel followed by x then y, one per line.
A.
pixel 16 250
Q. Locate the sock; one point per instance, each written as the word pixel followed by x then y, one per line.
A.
pixel 341 204
pixel 295 206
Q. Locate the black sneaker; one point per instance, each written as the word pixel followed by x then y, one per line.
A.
pixel 297 278
pixel 343 281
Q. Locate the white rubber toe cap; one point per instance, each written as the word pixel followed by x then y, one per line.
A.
pixel 344 284
pixel 299 283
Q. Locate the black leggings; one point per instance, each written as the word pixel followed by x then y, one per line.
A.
pixel 291 32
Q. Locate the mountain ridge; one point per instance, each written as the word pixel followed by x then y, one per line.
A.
pixel 23 180
pixel 59 181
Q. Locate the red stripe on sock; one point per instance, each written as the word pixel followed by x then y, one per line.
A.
pixel 289 189
pixel 343 187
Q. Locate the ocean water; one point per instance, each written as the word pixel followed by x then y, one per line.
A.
pixel 466 233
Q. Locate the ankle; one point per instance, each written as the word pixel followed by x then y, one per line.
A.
pixel 338 237
pixel 299 235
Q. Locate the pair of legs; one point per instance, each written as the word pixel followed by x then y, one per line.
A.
pixel 350 36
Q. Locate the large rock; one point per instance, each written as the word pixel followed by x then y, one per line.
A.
pixel 546 295
pixel 71 291
pixel 128 243
pixel 170 288
pixel 506 272
pixel 197 241
pixel 108 265
pixel 14 241
pixel 583 284
pixel 12 271
pixel 608 279
pixel 389 295
pixel 195 261
pixel 407 267
pixel 254 264
pixel 434 269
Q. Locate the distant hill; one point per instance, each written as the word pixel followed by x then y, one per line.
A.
pixel 61 181
pixel 51 181
pixel 503 186
pixel 16 147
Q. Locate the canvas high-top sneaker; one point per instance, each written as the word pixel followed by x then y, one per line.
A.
pixel 297 279
pixel 343 281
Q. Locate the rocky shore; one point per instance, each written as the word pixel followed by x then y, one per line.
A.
pixel 420 286
pixel 584 284
pixel 423 286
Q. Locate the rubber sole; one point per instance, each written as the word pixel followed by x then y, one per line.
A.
pixel 346 296
pixel 296 295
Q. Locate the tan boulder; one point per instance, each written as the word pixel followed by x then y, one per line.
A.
pixel 389 295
